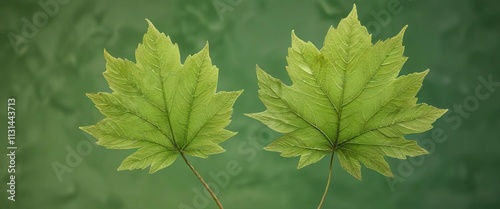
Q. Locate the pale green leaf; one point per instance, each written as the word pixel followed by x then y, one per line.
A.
pixel 161 106
pixel 346 98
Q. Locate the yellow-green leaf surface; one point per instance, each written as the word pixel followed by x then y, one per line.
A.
pixel 346 98
pixel 161 106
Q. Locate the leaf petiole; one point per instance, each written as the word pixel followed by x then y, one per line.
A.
pixel 202 182
pixel 327 182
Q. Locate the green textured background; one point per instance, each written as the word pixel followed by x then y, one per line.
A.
pixel 457 39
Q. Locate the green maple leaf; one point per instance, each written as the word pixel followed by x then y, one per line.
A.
pixel 347 99
pixel 162 107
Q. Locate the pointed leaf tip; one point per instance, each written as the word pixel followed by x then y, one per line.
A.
pixel 149 22
pixel 354 12
pixel 206 48
pixel 402 32
pixel 152 28
pixel 404 29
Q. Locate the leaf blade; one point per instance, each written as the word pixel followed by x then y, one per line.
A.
pixel 161 106
pixel 349 94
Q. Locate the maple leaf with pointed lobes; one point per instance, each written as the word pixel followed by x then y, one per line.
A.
pixel 161 106
pixel 346 98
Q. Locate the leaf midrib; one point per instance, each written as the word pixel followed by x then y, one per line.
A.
pixel 339 115
pixel 126 110
pixel 374 129
pixel 205 124
pixel 371 78
pixel 190 109
pixel 155 56
pixel 360 92
pixel 133 83
pixel 296 113
pixel 327 96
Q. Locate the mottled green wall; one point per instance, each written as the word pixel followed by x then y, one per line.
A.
pixel 49 69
